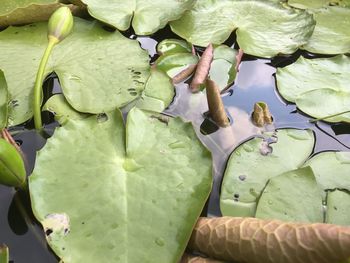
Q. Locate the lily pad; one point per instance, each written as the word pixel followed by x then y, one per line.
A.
pixel 331 170
pixel 293 196
pixel 174 63
pixel 147 15
pixel 319 87
pixel 60 108
pixel 332 31
pixel 95 73
pixel 171 46
pixel 223 67
pixel 338 207
pixel 27 11
pixel 213 21
pixel 158 94
pixel 150 182
pixel 3 101
pixel 254 162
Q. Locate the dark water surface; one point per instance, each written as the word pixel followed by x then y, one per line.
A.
pixel 255 82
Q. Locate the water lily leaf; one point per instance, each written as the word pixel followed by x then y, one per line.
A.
pixel 3 101
pixel 331 170
pixel 60 108
pixel 171 46
pixel 254 162
pixel 158 94
pixel 314 104
pixel 213 21
pixel 28 11
pixel 147 16
pixel 332 31
pixel 312 4
pixel 293 196
pixel 150 183
pixel 223 67
pixel 338 207
pixel 319 87
pixel 95 73
pixel 174 63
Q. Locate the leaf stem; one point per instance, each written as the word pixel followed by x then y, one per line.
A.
pixel 329 116
pixel 39 82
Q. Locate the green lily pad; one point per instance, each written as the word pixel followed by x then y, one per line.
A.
pixel 312 4
pixel 174 63
pixel 60 108
pixel 331 170
pixel 293 196
pixel 223 67
pixel 319 87
pixel 149 182
pixel 338 207
pixel 252 164
pixel 98 70
pixel 147 15
pixel 332 31
pixel 326 102
pixel 257 33
pixel 20 12
pixel 158 94
pixel 3 101
pixel 171 46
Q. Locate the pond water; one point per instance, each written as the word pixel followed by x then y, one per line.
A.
pixel 255 82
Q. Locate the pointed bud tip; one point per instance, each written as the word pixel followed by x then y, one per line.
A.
pixel 60 23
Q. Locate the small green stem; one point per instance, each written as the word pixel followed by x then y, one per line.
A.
pixel 39 82
pixel 329 116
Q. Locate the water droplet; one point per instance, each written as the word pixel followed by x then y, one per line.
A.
pixel 74 77
pixel 270 202
pixel 159 241
pixel 102 117
pixel 131 165
pixel 177 144
pixel 248 148
pixel 242 177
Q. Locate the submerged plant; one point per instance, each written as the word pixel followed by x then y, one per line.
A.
pixel 59 27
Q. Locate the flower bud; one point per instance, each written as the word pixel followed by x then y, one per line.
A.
pixel 12 170
pixel 60 24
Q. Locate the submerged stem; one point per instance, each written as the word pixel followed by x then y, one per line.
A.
pixel 39 82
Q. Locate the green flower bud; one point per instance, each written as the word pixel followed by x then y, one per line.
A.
pixel 12 170
pixel 60 24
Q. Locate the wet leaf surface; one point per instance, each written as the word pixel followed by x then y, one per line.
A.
pixel 21 12
pixel 319 87
pixel 214 21
pixel 95 73
pixel 146 16
pixel 293 196
pixel 254 162
pixel 150 183
pixel 332 31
